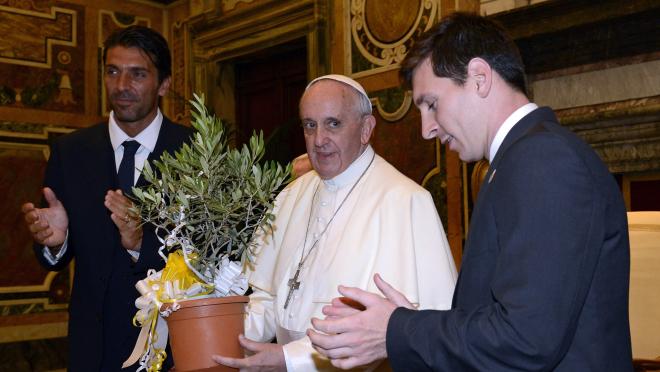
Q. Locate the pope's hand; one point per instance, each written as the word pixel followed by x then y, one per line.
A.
pixel 352 338
pixel 128 224
pixel 267 357
pixel 47 225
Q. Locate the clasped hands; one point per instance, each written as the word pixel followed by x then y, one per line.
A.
pixel 49 225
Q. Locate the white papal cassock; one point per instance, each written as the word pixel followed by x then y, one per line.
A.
pixel 387 224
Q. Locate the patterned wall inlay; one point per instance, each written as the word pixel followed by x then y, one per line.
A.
pixel 42 55
pixel 382 32
pixel 40 31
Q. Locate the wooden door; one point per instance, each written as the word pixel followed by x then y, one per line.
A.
pixel 269 85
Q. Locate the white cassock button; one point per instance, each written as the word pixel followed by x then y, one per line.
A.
pixel 316 235
pixel 323 204
pixel 290 316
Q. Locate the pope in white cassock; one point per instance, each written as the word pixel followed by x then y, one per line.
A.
pixel 351 217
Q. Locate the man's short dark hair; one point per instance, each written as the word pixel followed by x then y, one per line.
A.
pixel 147 40
pixel 458 38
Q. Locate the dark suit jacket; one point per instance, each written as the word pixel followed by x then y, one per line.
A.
pixel 544 280
pixel 81 170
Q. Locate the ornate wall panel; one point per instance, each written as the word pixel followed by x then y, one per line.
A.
pixel 382 32
pixel 42 65
pixel 33 301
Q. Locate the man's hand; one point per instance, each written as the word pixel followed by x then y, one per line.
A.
pixel 354 338
pixel 47 225
pixel 128 224
pixel 267 357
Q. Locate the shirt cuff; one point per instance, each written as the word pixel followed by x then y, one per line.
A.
pixel 48 255
pixel 299 355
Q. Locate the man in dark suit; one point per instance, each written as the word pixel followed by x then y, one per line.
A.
pixel 87 216
pixel 544 280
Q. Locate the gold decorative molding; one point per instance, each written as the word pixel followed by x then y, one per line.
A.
pixel 382 35
pixel 42 134
pixel 231 4
pixel 28 332
pixel 399 113
pixel 625 134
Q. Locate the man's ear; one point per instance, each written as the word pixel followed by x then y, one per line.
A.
pixel 368 125
pixel 164 86
pixel 480 74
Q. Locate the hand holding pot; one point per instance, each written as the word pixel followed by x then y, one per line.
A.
pixel 267 357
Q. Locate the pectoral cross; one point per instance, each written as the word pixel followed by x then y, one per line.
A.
pixel 293 284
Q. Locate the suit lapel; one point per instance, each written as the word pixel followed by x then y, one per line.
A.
pixel 99 160
pixel 542 114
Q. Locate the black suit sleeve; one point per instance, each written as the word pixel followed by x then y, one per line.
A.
pixel 545 206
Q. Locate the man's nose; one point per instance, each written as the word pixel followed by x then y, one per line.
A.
pixel 430 127
pixel 123 81
pixel 320 136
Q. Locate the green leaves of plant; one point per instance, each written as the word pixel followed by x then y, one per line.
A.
pixel 223 194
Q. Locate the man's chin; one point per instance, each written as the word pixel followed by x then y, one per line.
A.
pixel 125 116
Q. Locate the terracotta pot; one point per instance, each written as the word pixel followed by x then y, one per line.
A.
pixel 201 328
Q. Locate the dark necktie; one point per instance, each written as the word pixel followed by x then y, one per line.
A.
pixel 126 172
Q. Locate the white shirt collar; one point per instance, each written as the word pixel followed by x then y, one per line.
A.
pixel 146 138
pixel 504 129
pixel 353 171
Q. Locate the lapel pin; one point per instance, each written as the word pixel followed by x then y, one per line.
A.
pixel 492 175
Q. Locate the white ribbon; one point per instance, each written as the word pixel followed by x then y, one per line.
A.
pixel 147 304
pixel 229 279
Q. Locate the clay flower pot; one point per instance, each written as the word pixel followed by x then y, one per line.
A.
pixel 201 328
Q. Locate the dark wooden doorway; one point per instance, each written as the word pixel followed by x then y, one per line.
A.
pixel 269 85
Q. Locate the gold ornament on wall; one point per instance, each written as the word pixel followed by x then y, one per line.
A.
pixel 382 32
